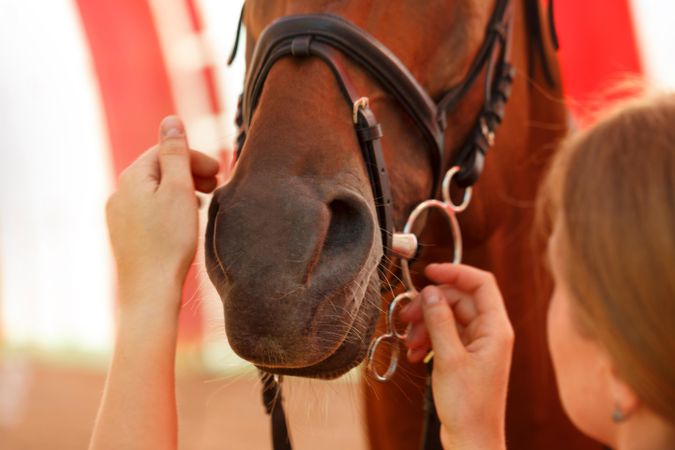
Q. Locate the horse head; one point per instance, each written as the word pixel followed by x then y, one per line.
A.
pixel 294 245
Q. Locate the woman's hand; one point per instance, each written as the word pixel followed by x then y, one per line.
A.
pixel 152 218
pixel 465 322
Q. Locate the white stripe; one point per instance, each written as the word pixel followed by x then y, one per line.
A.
pixel 653 21
pixel 186 54
pixel 54 178
pixel 220 26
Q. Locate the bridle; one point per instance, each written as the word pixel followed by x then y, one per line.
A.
pixel 326 36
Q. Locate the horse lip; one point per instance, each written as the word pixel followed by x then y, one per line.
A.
pixel 257 344
pixel 312 370
pixel 361 340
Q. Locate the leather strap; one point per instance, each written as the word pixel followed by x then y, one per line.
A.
pixel 431 434
pixel 550 14
pixel 369 133
pixel 274 406
pixel 233 53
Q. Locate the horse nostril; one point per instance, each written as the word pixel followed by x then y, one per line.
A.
pixel 347 226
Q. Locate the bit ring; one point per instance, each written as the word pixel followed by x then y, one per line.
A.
pixel 454 226
pixel 447 181
pixel 407 295
pixel 393 360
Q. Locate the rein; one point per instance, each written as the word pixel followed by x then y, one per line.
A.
pixel 329 37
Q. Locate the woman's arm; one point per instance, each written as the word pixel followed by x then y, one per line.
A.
pixel 138 409
pixel 152 220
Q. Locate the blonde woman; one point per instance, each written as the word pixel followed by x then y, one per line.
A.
pixel 610 204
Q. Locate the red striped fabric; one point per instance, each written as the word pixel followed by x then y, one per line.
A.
pixel 136 94
pixel 598 47
pixel 131 74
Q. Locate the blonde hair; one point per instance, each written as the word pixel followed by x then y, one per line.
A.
pixel 612 187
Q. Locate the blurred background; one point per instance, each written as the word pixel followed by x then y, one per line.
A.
pixel 83 86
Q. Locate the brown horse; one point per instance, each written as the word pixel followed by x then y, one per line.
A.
pixel 293 244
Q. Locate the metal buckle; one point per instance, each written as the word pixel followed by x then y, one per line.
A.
pixel 361 103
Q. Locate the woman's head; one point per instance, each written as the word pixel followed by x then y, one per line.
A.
pixel 610 203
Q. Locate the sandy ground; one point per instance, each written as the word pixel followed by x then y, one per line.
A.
pixel 45 407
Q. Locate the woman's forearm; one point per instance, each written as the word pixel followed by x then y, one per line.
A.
pixel 138 410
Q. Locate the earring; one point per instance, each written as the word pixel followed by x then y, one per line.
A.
pixel 617 414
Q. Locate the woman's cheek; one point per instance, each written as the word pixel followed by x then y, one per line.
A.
pixel 581 379
pixel 568 360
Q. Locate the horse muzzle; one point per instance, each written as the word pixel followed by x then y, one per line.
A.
pixel 294 267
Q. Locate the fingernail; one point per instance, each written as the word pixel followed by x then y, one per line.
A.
pixel 430 297
pixel 172 127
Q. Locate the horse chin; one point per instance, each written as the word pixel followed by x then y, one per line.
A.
pixel 351 351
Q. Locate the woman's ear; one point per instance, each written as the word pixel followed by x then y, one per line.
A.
pixel 626 401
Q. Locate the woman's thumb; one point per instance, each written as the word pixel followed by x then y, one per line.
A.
pixel 174 156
